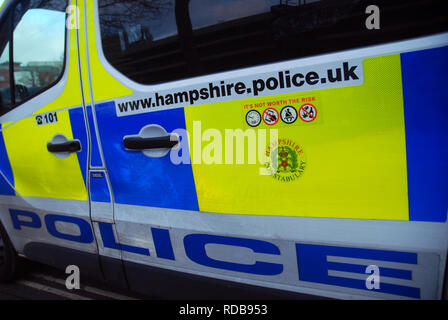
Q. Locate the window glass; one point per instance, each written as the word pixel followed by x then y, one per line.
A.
pixel 38 46
pixel 39 41
pixel 5 85
pixel 154 41
pixel 5 95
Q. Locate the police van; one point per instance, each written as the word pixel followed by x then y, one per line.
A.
pixel 210 149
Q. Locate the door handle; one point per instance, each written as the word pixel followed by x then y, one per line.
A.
pixel 66 146
pixel 140 143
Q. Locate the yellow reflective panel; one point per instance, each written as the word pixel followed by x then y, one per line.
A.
pixel 105 86
pixel 37 172
pixel 350 162
pixel 6 124
pixel 83 53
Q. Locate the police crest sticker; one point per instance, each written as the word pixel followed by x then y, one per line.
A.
pixel 286 160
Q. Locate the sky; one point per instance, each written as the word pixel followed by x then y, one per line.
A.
pixel 44 32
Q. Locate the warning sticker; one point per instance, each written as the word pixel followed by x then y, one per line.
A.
pixel 270 116
pixel 308 112
pixel 288 114
pixel 253 118
pixel 289 111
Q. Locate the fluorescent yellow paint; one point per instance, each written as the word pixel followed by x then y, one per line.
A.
pixel 37 172
pixel 104 86
pixel 83 53
pixel 71 96
pixel 5 124
pixel 356 157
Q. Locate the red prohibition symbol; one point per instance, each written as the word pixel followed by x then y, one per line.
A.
pixel 270 116
pixel 308 112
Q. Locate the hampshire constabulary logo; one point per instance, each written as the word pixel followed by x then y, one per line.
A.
pixel 287 160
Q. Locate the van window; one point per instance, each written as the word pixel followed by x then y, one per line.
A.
pixel 5 83
pixel 154 41
pixel 38 50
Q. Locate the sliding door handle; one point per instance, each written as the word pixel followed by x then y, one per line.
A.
pixel 139 143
